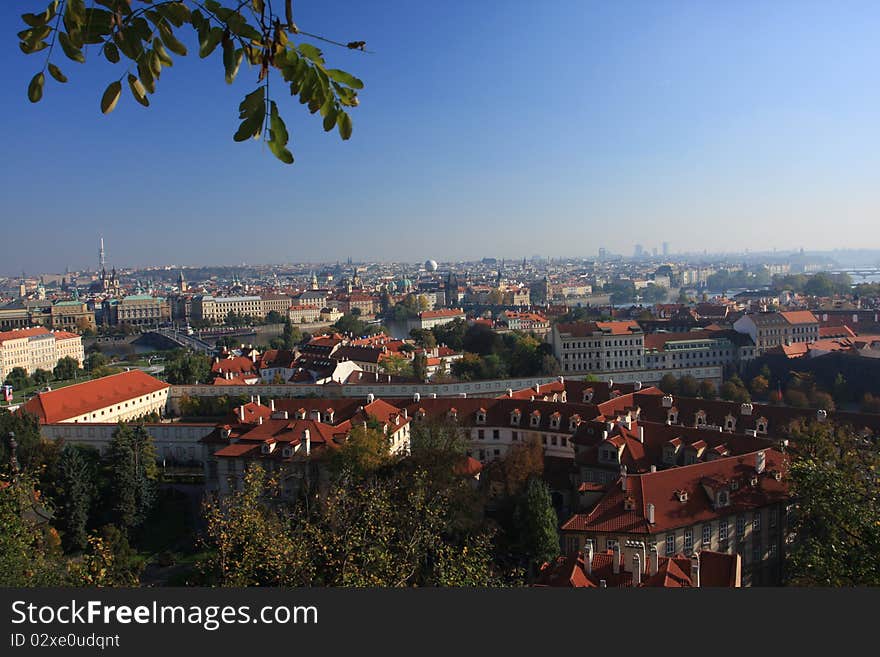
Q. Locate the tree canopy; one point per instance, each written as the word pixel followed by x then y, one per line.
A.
pixel 142 36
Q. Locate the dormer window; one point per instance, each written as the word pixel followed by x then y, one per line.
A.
pixel 287 452
pixel 629 503
pixel 700 419
pixel 421 414
pixel 573 422
pixel 723 499
pixel 681 495
pixel 730 423
pixel 672 416
pixel 588 396
pixel 761 425
pixel 515 417
pixel 535 419
pixel 563 397
pixel 554 420
pixel 481 416
pixel 301 414
pixel 734 485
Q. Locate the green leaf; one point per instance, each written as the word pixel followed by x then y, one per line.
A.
pixel 160 51
pixel 155 63
pixel 35 88
pixel 211 38
pixel 69 49
pixel 146 76
pixel 56 73
pixel 278 136
pixel 231 60
pixel 28 48
pixel 138 91
pixel 111 52
pixel 253 110
pixel 310 52
pixel 344 123
pixel 35 20
pixel 171 41
pixel 330 118
pixel 111 97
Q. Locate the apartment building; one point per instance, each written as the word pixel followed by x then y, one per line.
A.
pixel 776 329
pixel 670 351
pixel 585 347
pixel 216 309
pixel 37 348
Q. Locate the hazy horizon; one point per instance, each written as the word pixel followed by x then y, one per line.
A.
pixel 503 129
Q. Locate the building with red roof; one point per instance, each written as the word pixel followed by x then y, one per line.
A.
pixel 110 399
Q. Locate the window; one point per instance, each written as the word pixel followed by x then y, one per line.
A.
pixel 688 540
pixel 552 440
pixel 756 522
pixel 707 534
pixel 757 555
pixel 496 434
pixel 772 513
pixel 670 544
pixel 480 434
pixel 515 435
pixel 740 527
pixel 610 543
pixel 772 550
pixel 722 530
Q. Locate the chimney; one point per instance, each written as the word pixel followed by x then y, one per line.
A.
pixel 286 415
pixel 241 412
pixel 637 569
pixel 642 435
pixel 623 477
pixel 510 392
pixel 610 384
pixel 616 559
pixel 416 397
pixel 588 556
pixel 260 420
pixel 272 405
pixel 603 584
pixel 650 510
pixel 370 398
pixel 307 441
pixel 538 388
pixel 405 414
pixel 655 560
pixel 695 570
pixel 760 461
pixel 653 468
pixel 258 400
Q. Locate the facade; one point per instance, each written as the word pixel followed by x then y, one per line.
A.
pixel 670 351
pixel 526 322
pixel 431 318
pixel 37 348
pixel 585 347
pixel 71 316
pixel 778 329
pixel 119 397
pixel 278 303
pixel 138 310
pixel 737 505
pixel 216 309
pixel 303 314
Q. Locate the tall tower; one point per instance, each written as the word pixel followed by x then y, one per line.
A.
pixel 181 282
pixel 101 261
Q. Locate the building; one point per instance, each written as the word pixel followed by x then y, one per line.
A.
pixel 115 398
pixel 737 505
pixel 777 329
pixel 71 316
pixel 525 322
pixel 584 347
pixel 304 314
pixel 431 318
pixel 278 303
pixel 209 308
pixel 37 348
pixel 670 351
pixel 137 310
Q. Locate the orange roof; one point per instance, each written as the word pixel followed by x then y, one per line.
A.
pixel 799 317
pixel 23 333
pixel 65 335
pixel 427 314
pixel 83 398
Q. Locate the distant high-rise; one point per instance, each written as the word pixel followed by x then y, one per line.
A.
pixel 638 251
pixel 101 261
pixel 603 253
pixel 654 252
pixel 665 248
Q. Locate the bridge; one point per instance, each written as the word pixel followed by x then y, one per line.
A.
pixel 185 341
pixel 859 272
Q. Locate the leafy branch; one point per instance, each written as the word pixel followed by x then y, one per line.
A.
pixel 147 36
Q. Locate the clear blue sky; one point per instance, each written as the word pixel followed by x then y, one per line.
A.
pixel 502 128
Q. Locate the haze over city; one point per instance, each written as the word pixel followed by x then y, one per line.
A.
pixel 497 126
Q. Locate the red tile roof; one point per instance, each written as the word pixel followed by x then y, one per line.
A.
pixel 83 398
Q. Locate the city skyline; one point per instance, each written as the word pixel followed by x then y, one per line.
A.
pixel 716 128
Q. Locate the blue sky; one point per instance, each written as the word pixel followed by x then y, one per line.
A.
pixel 504 128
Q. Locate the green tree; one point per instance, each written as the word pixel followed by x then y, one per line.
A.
pixel 186 367
pixel 41 377
pixel 77 489
pixel 669 384
pixel 424 338
pixel 274 317
pixel 131 461
pixel 94 361
pixel 759 386
pixel 108 560
pixel 537 522
pixel 65 368
pixel 840 389
pixel 688 386
pixel 292 335
pixel 833 478
pixel 796 398
pixel 397 365
pixel 144 36
pixel 18 378
pixel 27 555
pixel 420 366
pixel 365 451
pixel 708 389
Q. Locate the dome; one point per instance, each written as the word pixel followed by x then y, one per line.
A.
pixel 430 265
